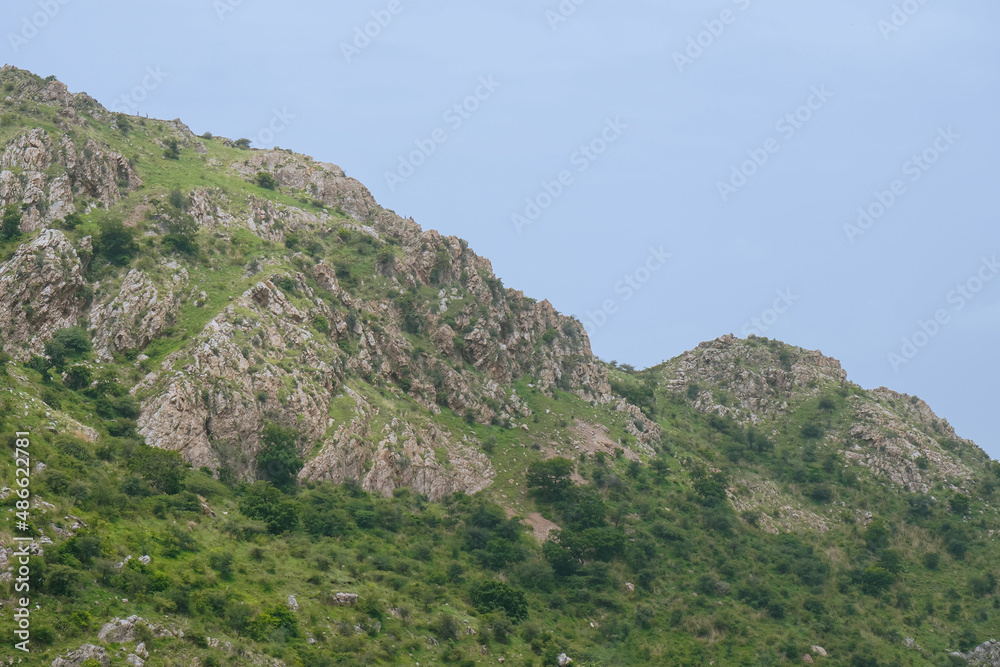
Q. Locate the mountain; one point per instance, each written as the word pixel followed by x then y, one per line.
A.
pixel 271 422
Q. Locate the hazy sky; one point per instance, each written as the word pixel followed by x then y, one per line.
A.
pixel 821 173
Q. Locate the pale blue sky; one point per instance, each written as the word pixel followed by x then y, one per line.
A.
pixel 673 129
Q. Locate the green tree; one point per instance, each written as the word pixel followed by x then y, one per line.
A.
pixel 500 596
pixel 10 228
pixel 264 502
pixel 66 345
pixel 551 479
pixel 116 243
pixel 266 180
pixel 172 150
pixel 278 461
pixel 959 503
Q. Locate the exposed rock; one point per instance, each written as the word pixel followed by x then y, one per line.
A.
pixel 562 660
pixel 91 170
pixel 81 655
pixel 133 318
pixel 42 291
pixel 123 630
pixel 293 604
pixel 986 654
pixel 820 651
pixel 345 599
pixel 777 511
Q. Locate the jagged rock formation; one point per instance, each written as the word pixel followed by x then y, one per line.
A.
pixel 757 381
pixel 45 175
pixel 133 318
pixel 43 290
pixel 986 654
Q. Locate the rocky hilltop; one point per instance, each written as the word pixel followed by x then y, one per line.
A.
pixel 274 423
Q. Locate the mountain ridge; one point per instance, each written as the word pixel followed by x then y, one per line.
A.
pixel 328 397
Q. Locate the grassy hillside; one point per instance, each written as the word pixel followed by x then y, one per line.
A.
pixel 742 504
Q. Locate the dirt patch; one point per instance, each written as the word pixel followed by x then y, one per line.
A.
pixel 540 526
pixel 592 438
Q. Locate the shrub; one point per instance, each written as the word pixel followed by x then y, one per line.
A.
pixel 172 150
pixel 551 479
pixel 278 461
pixel 67 344
pixel 959 504
pixel 263 501
pixel 500 596
pixel 875 580
pixel 10 227
pixel 116 243
pixel 266 180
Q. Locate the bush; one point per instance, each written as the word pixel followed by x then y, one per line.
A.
pixel 172 150
pixel 67 344
pixel 278 461
pixel 959 504
pixel 266 180
pixel 551 479
pixel 116 243
pixel 875 580
pixel 10 227
pixel 264 502
pixel 499 596
pixel 72 221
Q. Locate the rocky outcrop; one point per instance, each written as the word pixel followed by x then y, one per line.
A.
pixel 384 456
pixel 234 378
pixel 124 630
pixel 133 318
pixel 42 290
pixel 986 654
pixel 43 176
pixel 750 380
pixel 81 655
pixel 890 445
pixel 326 183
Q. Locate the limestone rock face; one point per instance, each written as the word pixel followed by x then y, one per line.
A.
pixel 757 379
pixel 133 318
pixel 43 175
pixel 886 442
pixel 123 630
pixel 42 290
pixel 401 456
pixel 213 409
pixel 81 655
pixel 986 654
